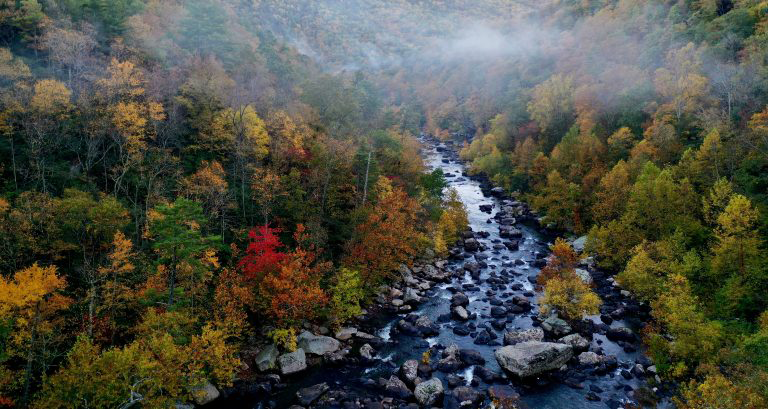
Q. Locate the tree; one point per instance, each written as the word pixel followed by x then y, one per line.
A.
pixel 243 133
pixel 145 372
pixel 560 201
pixel 620 143
pixel 263 255
pixel 267 188
pixel 179 241
pixel 293 293
pixel 651 263
pixel 736 261
pixel 681 83
pixel 692 337
pixel 453 220
pixel 570 297
pixel 49 107
pixel 658 205
pixel 209 186
pixel 716 391
pixel 233 298
pixel 388 235
pixel 552 107
pixel 115 281
pixel 30 301
pixel 347 294
pixel 562 262
pixel 737 236
pixel 716 201
pixel 133 116
pixel 612 194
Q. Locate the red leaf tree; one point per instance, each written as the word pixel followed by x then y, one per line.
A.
pixel 263 255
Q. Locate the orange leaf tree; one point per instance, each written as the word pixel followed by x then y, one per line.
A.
pixel 293 293
pixel 388 237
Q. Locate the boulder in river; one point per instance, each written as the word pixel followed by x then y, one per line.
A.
pixel 426 327
pixel 459 299
pixel 516 337
pixel 409 370
pixel 462 394
pixel 429 392
pixel 589 358
pixel 579 244
pixel 584 275
pixel 367 352
pixel 556 326
pixel 292 362
pixel 533 357
pixel 459 313
pixel 307 396
pixel 578 342
pixel 471 357
pixel 397 388
pixel 317 344
pixel 505 396
pixel 620 334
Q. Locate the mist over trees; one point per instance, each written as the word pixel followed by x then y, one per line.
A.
pixel 174 173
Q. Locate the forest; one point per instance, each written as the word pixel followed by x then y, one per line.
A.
pixel 184 182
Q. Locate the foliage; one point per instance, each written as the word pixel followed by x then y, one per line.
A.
pixel 262 256
pixel 284 338
pixel 387 237
pixel 347 295
pixel 453 220
pixel 561 263
pixel 293 293
pixel 570 297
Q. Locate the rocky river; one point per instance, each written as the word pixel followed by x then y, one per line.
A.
pixel 477 315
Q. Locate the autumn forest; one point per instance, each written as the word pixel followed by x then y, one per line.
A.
pixel 253 203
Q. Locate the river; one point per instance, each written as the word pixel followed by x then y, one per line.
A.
pixel 355 382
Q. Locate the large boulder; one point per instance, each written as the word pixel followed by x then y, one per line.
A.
pixel 460 313
pixel 411 296
pixel 556 326
pixel 409 370
pixel 533 357
pixel 459 300
pixel 578 342
pixel 267 358
pixel 504 396
pixel 367 352
pixel 516 337
pixel 397 388
pixel 471 357
pixel 428 392
pixel 579 244
pixel 317 344
pixel 345 334
pixel 292 362
pixel 426 327
pixel 471 245
pixel 467 396
pixel 620 334
pixel 307 396
pixel 584 275
pixel 590 358
pixel 206 394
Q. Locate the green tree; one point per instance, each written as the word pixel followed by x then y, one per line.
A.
pixel 178 239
